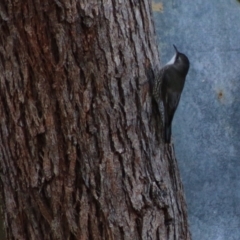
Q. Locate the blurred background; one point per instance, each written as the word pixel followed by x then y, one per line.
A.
pixel 206 130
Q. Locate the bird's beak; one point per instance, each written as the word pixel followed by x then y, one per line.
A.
pixel 175 48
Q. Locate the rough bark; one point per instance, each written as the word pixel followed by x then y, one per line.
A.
pixel 81 154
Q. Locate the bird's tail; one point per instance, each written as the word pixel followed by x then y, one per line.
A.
pixel 167 133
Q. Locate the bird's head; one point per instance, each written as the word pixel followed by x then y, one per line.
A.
pixel 180 61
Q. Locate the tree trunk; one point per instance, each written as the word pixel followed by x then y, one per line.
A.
pixel 80 148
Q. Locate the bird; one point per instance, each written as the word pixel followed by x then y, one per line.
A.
pixel 167 89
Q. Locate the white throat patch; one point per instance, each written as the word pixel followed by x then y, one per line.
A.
pixel 172 60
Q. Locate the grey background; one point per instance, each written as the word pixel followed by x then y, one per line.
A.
pixel 206 130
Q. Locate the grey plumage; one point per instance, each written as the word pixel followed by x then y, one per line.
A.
pixel 168 87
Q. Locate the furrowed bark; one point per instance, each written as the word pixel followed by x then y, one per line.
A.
pixel 80 148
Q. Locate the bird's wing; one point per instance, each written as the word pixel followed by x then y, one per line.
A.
pixel 171 102
pixel 157 91
pixel 159 81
